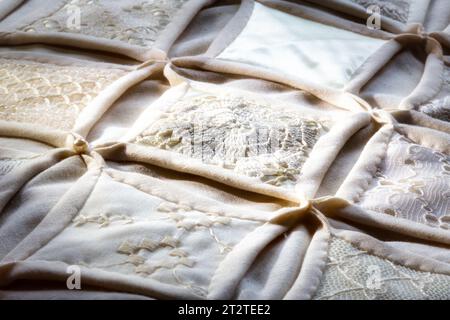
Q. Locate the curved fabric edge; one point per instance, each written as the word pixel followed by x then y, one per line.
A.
pixel 55 59
pixel 429 84
pixel 179 23
pixel 177 162
pixel 139 182
pixel 427 137
pixel 93 112
pixel 418 11
pixel 224 283
pixel 169 97
pixel 312 268
pixel 383 250
pixel 57 271
pixel 442 37
pixel 372 66
pixel 77 41
pixel 387 222
pixel 325 151
pixel 357 11
pixel 6 7
pixel 52 137
pixel 412 117
pixel 314 14
pixel 231 30
pixel 58 217
pixel 337 98
pixel 14 180
pixel 359 177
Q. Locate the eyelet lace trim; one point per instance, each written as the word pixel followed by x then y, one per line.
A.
pixel 412 182
pixel 134 22
pixel 251 138
pixel 48 94
pixel 394 9
pixel 355 274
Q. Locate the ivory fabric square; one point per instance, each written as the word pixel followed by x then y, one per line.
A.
pixel 412 182
pixel 29 90
pixel 317 53
pixel 439 106
pixel 137 29
pixel 244 135
pixel 355 274
pixel 132 22
pixel 167 240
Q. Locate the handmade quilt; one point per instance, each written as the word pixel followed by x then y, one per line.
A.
pixel 225 149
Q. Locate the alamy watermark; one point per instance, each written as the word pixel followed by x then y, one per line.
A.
pixel 374 19
pixel 73 21
pixel 73 282
pixel 373 281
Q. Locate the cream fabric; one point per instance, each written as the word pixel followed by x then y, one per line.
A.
pixel 225 150
pixel 315 52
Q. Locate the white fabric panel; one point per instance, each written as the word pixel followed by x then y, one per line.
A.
pixel 297 47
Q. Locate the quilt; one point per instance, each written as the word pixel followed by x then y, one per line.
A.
pixel 225 149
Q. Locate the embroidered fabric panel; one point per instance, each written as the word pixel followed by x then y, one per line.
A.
pixel 30 91
pixel 134 22
pixel 250 137
pixel 161 238
pixel 395 9
pixel 439 108
pixel 412 182
pixel 355 274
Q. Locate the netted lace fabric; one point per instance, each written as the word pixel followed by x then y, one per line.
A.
pixel 250 137
pixel 439 107
pixel 352 273
pixel 31 91
pixel 394 9
pixel 137 23
pixel 412 182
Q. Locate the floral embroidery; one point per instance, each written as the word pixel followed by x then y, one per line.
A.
pixel 415 180
pixel 355 274
pixel 30 90
pixel 145 266
pixel 163 255
pixel 136 22
pixel 182 216
pixel 247 136
pixel 102 220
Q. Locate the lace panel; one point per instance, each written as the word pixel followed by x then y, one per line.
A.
pixel 440 108
pixel 394 9
pixel 163 257
pixel 134 22
pixel 352 273
pixel 163 239
pixel 249 137
pixel 413 182
pixel 48 94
